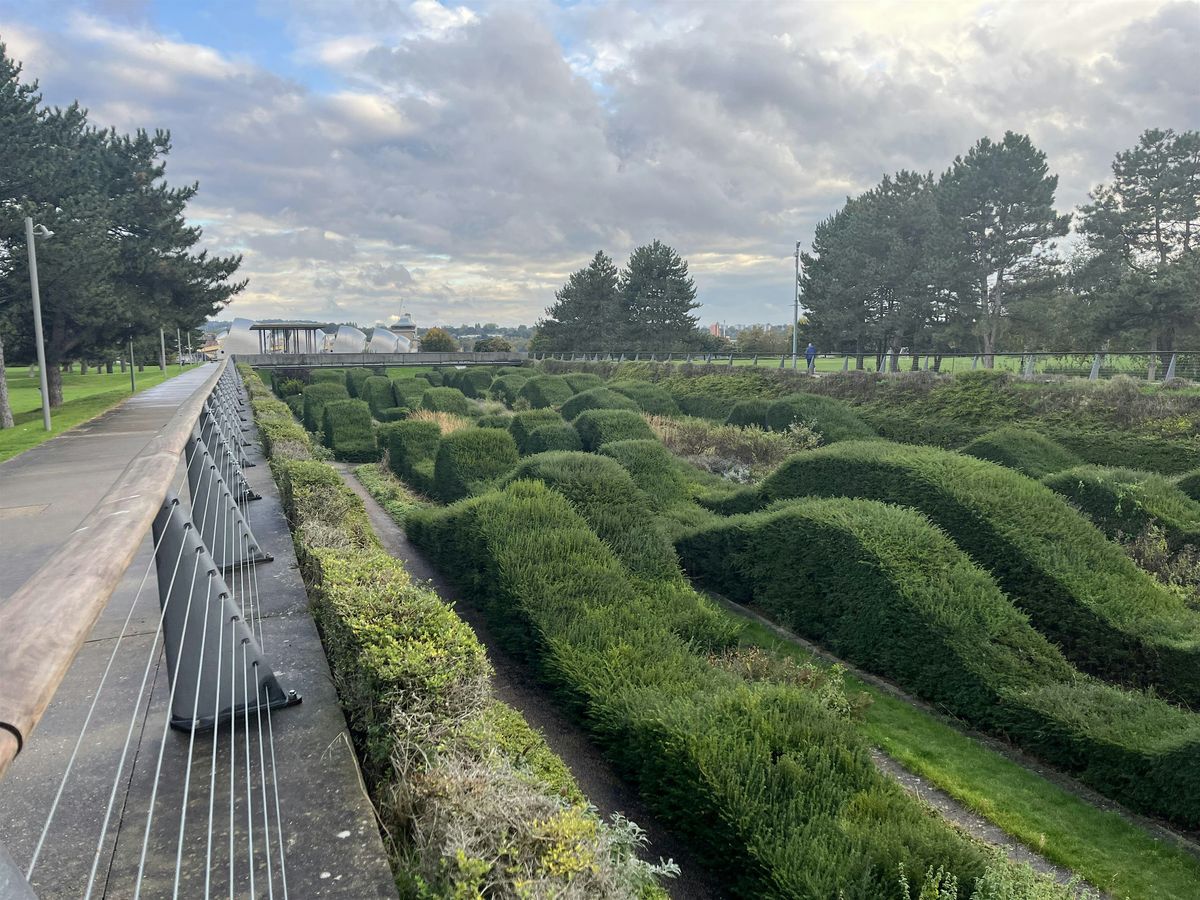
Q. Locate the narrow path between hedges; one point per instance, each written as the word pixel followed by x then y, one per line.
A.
pixel 514 684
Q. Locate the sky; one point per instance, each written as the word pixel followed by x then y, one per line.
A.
pixel 462 159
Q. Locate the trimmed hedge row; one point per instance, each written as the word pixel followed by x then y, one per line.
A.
pixel 1190 484
pixel 774 788
pixel 1129 448
pixel 469 460
pixel 1123 502
pixel 433 377
pixel 328 376
pixel 282 436
pixel 543 391
pixel 377 392
pixel 506 388
pixel 652 467
pixel 522 424
pixel 649 397
pixel 598 427
pixel 884 588
pixel 1026 451
pixel 582 381
pixel 548 437
pixel 447 399
pixel 407 392
pixel 596 398
pixel 348 432
pixel 474 382
pixel 749 412
pixel 355 378
pixel 411 447
pixel 1079 589
pixel 316 395
pixel 834 420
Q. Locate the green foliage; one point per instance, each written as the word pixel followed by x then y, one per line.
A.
pixel 883 588
pixel 499 420
pixel 347 431
pixel 475 382
pixel 447 399
pixel 1190 484
pixel 552 436
pixel 749 412
pixel 649 397
pixel 494 344
pixel 659 474
pixel 596 398
pixel 283 437
pixel 316 395
pixel 435 377
pixel 544 391
pixel 408 444
pixel 1078 588
pixel 586 313
pixel 1026 451
pixel 832 419
pixel 583 381
pixel 438 340
pixel 507 387
pixel 597 427
pixel 394 414
pixel 1129 448
pixel 328 376
pixel 1123 502
pixel 295 403
pixel 389 491
pixel 657 299
pixel 468 461
pixel 355 379
pixel 288 387
pixel 522 424
pixel 407 392
pixel 378 394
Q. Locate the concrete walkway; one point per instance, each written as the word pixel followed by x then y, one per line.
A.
pixel 330 843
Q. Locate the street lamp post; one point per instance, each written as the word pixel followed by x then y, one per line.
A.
pixel 31 233
pixel 796 309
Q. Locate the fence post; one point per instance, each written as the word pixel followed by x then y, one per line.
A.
pixel 1096 363
pixel 731 359
pixel 1170 369
pixel 845 363
pixel 975 361
pixel 755 363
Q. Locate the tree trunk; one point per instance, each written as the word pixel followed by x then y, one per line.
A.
pixel 54 384
pixel 83 367
pixel 860 358
pixel 108 366
pixel 6 419
pixel 122 362
pixel 937 362
pixel 989 349
pixel 141 367
pixel 1152 367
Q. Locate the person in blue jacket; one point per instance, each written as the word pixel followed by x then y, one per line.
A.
pixel 810 354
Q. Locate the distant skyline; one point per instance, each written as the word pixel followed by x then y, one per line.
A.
pixel 465 158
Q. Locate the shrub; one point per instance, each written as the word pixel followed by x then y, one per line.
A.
pixel 1124 502
pixel 597 427
pixel 1078 588
pixel 1026 451
pixel 433 376
pixel 295 403
pixel 288 387
pixel 408 443
pixel 757 450
pixel 446 422
pixel 715 755
pixel 283 438
pixel 1190 484
pixel 649 397
pixel 544 391
pixel 470 460
pixel 394 414
pixel 316 395
pixel 582 381
pixel 446 399
pixel 882 587
pixel 507 387
pixel 596 398
pixel 522 424
pixel 560 436
pixel 354 381
pixel 328 376
pixel 407 392
pixel 1133 449
pixel 497 420
pixel 377 392
pixel 653 469
pixel 749 412
pixel 832 419
pixel 347 431
pixel 475 382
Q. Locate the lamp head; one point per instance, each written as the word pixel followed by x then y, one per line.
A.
pixel 42 231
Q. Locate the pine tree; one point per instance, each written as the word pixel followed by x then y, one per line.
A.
pixel 658 297
pixel 586 313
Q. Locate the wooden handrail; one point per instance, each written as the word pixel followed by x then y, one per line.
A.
pixel 43 624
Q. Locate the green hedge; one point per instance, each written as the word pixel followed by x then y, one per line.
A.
pixel 882 587
pixel 596 398
pixel 522 424
pixel 649 397
pixel 282 436
pixel 409 443
pixel 434 377
pixel 597 427
pixel 407 392
pixel 749 412
pixel 347 431
pixel 776 790
pixel 475 382
pixel 471 459
pixel 1079 589
pixel 1190 484
pixel 377 391
pixel 447 399
pixel 506 388
pixel 582 381
pixel 1026 451
pixel 652 467
pixel 394 414
pixel 544 438
pixel 498 420
pixel 295 403
pixel 545 390
pixel 355 378
pixel 315 397
pixel 328 376
pixel 1129 448
pixel 1123 502
pixel 832 419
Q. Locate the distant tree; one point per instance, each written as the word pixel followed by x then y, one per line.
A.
pixel 758 339
pixel 704 341
pixel 492 345
pixel 658 297
pixel 587 313
pixel 438 340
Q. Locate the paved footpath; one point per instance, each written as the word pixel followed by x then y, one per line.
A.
pixel 331 845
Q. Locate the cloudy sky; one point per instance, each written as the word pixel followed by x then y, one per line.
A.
pixel 464 158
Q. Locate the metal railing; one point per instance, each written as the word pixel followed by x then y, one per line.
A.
pixel 188 490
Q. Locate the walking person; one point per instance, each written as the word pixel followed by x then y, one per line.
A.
pixel 810 354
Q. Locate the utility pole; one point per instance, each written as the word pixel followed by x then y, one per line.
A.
pixel 796 309
pixel 30 234
pixel 132 367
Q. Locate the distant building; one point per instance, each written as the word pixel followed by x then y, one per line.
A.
pixel 714 329
pixel 406 328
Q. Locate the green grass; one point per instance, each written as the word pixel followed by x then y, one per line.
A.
pixel 84 398
pixel 1108 851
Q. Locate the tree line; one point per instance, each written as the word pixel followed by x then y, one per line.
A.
pixel 122 262
pixel 977 259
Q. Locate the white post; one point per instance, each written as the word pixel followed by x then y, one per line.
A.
pixel 37 321
pixel 796 309
pixel 162 350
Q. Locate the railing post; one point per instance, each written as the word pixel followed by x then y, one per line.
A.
pixel 13 885
pixel 845 363
pixel 1170 369
pixel 1096 363
pixel 221 524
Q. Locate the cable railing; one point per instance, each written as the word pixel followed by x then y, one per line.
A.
pixel 1093 364
pixel 211 824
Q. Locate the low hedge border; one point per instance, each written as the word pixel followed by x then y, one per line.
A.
pixel 1026 451
pixel 1124 502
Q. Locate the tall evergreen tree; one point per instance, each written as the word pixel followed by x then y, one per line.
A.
pixel 658 298
pixel 586 313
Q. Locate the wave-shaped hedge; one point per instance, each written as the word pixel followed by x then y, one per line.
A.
pixel 596 398
pixel 355 378
pixel 471 459
pixel 1029 452
pixel 447 399
pixel 347 431
pixel 507 387
pixel 551 436
pixel 407 392
pixel 377 392
pixel 475 382
pixel 544 391
pixel 774 788
pixel 1123 502
pixel 582 381
pixel 1190 484
pixel 834 420
pixel 411 447
pixel 749 412
pixel 650 397
pixel 887 590
pixel 598 427
pixel 1079 588
pixel 316 396
pixel 522 424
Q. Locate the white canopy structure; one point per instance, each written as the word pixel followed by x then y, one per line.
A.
pixel 347 340
pixel 385 341
pixel 239 338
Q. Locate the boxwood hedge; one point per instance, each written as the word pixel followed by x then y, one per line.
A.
pixel 377 391
pixel 596 398
pixel 471 459
pixel 1079 588
pixel 834 420
pixel 447 399
pixel 649 397
pixel 774 788
pixel 434 377
pixel 496 420
pixel 551 436
pixel 328 376
pixel 355 379
pixel 544 391
pixel 884 588
pixel 475 382
pixel 582 381
pixel 394 414
pixel 315 397
pixel 407 392
pixel 652 467
pixel 347 431
pixel 507 387
pixel 1026 451
pixel 295 403
pixel 522 423
pixel 749 412
pixel 1190 484
pixel 411 447
pixel 597 427
pixel 1125 501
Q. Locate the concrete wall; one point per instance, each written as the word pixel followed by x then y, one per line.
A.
pixel 354 360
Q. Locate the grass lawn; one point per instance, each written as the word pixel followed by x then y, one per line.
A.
pixel 1110 852
pixel 84 397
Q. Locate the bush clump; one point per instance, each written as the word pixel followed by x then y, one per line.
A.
pixel 283 438
pixel 649 397
pixel 507 388
pixel 1124 502
pixel 434 377
pixel 583 381
pixel 834 420
pixel 347 431
pixel 316 395
pixel 469 460
pixel 448 400
pixel 394 414
pixel 355 379
pixel 1026 451
pixel 887 590
pixel 1079 589
pixel 1190 484
pixel 597 427
pixel 412 446
pixel 475 382
pixel 288 387
pixel 652 468
pixel 749 412
pixel 328 376
pixel 522 424
pixel 552 436
pixel 596 398
pixel 377 392
pixel 543 391
pixel 407 392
